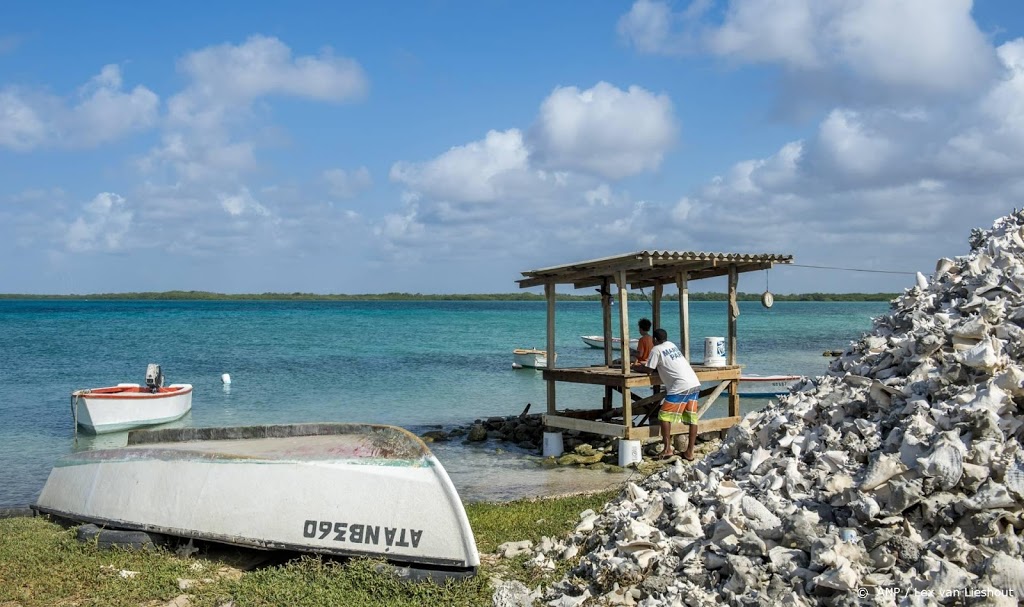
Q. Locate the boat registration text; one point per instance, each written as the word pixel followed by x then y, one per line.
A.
pixel 363 534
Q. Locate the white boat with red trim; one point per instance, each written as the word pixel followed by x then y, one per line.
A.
pixel 126 406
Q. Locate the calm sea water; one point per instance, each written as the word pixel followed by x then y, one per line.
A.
pixel 412 364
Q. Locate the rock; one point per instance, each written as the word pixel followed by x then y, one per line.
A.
pixel 477 433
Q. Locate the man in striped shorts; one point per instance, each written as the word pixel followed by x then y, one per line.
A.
pixel 680 404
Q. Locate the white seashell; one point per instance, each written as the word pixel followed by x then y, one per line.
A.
pixel 638 530
pixel 1013 478
pixel 985 355
pixel 942 267
pixel 837 483
pixel 729 490
pixel 976 329
pixel 759 516
pixel 973 476
pixel 945 464
pixel 758 457
pixel 835 460
pixel 991 495
pixel 1011 380
pixel 636 494
pixel 843 578
pixel 723 529
pixel 587 524
pixel 679 499
pixel 881 470
pixel 652 512
pixel 1006 574
pixel 688 524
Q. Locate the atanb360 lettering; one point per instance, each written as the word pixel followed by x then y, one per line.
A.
pixel 363 534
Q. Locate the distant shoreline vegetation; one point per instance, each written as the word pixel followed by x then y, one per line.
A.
pixel 633 296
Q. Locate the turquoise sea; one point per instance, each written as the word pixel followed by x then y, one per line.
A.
pixel 412 364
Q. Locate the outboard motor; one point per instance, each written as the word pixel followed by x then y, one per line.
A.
pixel 154 378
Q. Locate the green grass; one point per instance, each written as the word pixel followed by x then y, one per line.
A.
pixel 42 564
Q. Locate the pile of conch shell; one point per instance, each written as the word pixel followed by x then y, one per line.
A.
pixel 895 479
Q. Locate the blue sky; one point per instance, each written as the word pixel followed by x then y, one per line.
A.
pixel 444 147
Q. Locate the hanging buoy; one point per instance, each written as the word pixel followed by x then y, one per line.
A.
pixel 767 299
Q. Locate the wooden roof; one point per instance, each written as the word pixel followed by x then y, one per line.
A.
pixel 647 268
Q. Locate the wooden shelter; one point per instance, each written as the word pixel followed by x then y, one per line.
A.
pixel 643 269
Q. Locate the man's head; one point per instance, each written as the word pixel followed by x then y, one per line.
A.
pixel 660 336
pixel 644 324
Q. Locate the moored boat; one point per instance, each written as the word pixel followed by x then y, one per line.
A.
pixel 766 386
pixel 342 489
pixel 530 358
pixel 126 406
pixel 597 341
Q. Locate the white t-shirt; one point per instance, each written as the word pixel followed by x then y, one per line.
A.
pixel 676 374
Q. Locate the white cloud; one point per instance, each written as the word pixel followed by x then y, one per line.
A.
pixel 506 192
pixel 206 134
pixel 906 45
pixel 101 112
pixel 264 65
pixel 242 203
pixel 347 184
pixel 103 227
pixel 479 171
pixel 604 130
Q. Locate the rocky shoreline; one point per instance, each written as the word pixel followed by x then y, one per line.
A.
pixel 581 449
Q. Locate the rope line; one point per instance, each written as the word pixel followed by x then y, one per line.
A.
pixel 847 269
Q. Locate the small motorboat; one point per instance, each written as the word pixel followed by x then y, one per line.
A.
pixel 530 358
pixel 127 406
pixel 342 489
pixel 597 341
pixel 766 386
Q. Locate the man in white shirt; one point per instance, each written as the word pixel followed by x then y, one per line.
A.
pixel 683 387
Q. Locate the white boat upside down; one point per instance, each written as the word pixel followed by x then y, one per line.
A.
pixel 342 489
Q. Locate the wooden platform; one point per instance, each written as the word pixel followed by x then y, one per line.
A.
pixel 615 380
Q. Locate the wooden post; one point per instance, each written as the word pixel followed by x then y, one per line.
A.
pixel 606 315
pixel 627 396
pixel 606 311
pixel 682 283
pixel 549 291
pixel 734 312
pixel 656 305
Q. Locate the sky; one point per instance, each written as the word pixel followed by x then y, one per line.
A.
pixel 447 146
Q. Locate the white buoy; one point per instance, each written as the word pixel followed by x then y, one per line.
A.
pixel 225 378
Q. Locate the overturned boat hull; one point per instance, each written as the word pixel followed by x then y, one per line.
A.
pixel 340 489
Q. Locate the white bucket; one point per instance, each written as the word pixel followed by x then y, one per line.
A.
pixel 553 444
pixel 629 452
pixel 714 351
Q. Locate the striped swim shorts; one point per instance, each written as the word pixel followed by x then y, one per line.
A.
pixel 680 408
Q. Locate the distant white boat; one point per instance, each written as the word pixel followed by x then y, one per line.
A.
pixel 597 341
pixel 127 406
pixel 343 489
pixel 766 386
pixel 530 358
